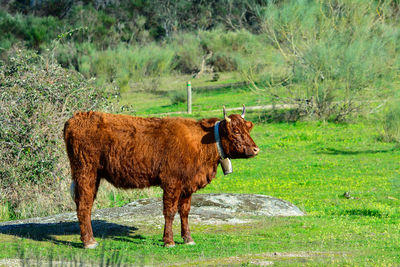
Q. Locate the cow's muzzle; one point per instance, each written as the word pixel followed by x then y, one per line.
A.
pixel 252 152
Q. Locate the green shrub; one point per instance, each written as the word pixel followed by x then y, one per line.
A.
pixel 34 31
pixel 188 52
pixel 233 50
pixel 138 67
pixel 178 97
pixel 100 27
pixel 335 53
pixel 392 123
pixel 36 98
pixel 130 66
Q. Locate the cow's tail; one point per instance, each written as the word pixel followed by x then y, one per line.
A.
pixel 72 189
pixel 65 128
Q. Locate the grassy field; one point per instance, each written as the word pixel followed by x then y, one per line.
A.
pixel 205 97
pixel 147 103
pixel 338 59
pixel 311 164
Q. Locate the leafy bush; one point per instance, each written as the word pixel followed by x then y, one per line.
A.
pixel 188 52
pixel 35 31
pixel 178 97
pixel 392 123
pixel 112 22
pixel 233 50
pixel 36 98
pixel 56 8
pixel 335 53
pixel 129 66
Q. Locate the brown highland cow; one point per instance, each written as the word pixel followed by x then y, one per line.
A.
pixel 179 155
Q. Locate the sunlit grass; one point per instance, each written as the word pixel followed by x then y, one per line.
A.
pixel 148 103
pixel 310 164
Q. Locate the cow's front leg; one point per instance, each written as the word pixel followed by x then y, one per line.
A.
pixel 184 209
pixel 170 201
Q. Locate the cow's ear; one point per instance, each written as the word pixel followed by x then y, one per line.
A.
pixel 249 125
pixel 208 123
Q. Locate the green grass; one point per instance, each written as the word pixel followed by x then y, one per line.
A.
pixel 313 164
pixel 146 103
pixel 310 164
pixel 326 239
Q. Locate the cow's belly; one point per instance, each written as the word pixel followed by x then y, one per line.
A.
pixel 127 166
pixel 131 174
pixel 131 179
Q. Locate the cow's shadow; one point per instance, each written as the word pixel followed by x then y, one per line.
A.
pixel 50 231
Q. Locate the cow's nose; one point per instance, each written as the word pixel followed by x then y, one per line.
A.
pixel 256 150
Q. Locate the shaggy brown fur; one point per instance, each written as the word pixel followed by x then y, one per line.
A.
pixel 178 154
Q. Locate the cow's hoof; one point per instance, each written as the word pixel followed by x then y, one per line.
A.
pixel 188 240
pixel 171 245
pixel 91 245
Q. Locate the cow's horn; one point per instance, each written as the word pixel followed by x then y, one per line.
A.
pixel 243 112
pixel 226 117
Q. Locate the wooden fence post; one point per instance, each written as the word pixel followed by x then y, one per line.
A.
pixel 189 97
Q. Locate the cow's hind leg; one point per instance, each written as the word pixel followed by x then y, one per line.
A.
pixel 170 201
pixel 184 209
pixel 86 185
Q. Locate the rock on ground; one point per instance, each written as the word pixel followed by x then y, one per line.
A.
pixel 206 209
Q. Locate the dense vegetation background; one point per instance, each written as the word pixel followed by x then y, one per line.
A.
pixel 335 60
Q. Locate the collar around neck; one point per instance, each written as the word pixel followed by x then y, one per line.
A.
pixel 218 141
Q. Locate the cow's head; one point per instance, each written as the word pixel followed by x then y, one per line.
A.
pixel 235 136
